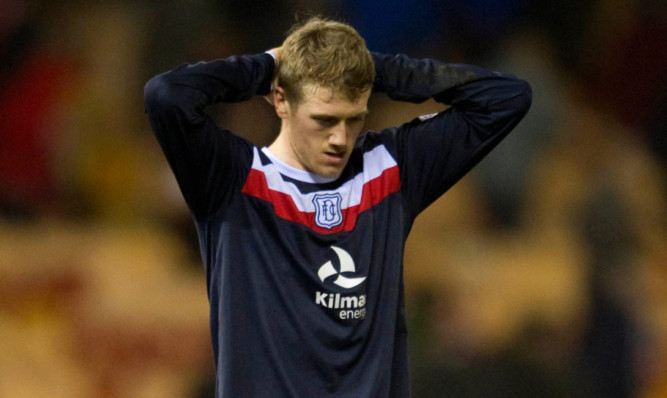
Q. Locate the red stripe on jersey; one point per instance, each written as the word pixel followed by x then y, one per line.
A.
pixel 374 191
pixel 283 204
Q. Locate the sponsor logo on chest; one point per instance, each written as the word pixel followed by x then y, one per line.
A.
pixel 347 306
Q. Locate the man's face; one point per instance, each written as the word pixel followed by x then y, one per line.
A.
pixel 321 130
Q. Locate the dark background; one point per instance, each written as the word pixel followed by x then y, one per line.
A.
pixel 542 273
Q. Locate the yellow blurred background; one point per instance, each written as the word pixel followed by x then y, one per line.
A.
pixel 542 273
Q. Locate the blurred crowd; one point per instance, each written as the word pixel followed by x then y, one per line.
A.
pixel 543 273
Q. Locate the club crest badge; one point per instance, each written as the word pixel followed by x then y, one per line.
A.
pixel 328 213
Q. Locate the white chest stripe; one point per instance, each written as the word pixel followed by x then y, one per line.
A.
pixel 376 161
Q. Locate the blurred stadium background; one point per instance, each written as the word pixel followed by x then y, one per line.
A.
pixel 541 274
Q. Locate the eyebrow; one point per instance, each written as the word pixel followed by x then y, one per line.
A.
pixel 326 116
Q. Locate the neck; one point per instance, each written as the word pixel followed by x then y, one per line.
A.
pixel 282 149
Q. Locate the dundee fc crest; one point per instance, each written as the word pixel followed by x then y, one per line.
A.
pixel 327 210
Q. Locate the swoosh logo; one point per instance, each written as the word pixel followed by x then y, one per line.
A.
pixel 346 265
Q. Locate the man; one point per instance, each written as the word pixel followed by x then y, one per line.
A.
pixel 303 241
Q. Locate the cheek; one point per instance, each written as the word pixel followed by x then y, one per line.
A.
pixel 353 135
pixel 305 143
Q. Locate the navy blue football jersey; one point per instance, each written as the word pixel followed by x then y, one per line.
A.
pixel 305 273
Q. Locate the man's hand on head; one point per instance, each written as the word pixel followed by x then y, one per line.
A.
pixel 276 55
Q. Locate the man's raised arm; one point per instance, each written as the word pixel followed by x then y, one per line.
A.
pixel 435 153
pixel 206 160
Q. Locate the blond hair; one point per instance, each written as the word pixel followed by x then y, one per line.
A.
pixel 325 53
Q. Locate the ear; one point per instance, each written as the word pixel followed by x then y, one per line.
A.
pixel 280 102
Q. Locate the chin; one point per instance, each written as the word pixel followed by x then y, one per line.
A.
pixel 335 174
pixel 329 173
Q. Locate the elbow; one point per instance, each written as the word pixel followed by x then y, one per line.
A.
pixel 164 97
pixel 514 103
pixel 154 93
pixel 158 94
pixel 524 96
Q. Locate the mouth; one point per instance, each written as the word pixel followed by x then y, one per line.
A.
pixel 335 157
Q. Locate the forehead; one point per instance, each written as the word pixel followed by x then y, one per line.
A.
pixel 324 100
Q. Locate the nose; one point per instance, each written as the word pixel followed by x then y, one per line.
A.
pixel 338 135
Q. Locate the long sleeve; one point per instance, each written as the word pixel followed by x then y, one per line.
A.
pixel 208 161
pixel 434 153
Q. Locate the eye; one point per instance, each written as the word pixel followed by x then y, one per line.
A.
pixel 355 121
pixel 325 121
